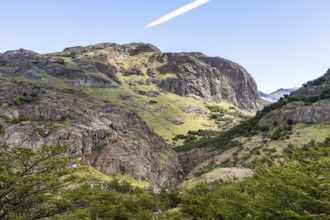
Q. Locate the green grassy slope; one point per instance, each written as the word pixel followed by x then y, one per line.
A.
pixel 252 142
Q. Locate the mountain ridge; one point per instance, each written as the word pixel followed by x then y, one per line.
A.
pixel 276 95
pixel 295 119
pixel 106 102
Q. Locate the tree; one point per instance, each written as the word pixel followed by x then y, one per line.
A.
pixel 216 201
pixel 299 188
pixel 296 188
pixel 37 184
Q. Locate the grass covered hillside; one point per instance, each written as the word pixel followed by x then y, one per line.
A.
pixel 295 119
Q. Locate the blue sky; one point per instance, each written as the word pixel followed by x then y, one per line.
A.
pixel 282 43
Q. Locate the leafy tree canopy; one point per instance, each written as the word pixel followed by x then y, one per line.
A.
pixel 297 188
pixel 36 184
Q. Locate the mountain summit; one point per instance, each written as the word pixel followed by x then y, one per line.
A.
pixel 275 96
pixel 109 103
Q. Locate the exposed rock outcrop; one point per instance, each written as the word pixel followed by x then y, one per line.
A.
pixel 298 112
pixel 309 104
pixel 110 138
pixel 87 98
pixel 213 78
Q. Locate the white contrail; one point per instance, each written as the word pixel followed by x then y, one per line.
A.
pixel 178 12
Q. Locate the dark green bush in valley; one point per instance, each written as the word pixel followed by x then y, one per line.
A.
pixel 2 130
pixel 196 135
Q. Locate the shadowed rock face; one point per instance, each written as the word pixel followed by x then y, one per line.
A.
pixel 110 138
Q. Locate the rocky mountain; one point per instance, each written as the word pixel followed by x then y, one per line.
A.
pixel 112 139
pixel 170 91
pixel 309 104
pixel 275 96
pixel 109 103
pixel 294 119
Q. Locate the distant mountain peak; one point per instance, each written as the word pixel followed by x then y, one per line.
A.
pixel 276 95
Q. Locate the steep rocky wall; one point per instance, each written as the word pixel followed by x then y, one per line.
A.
pixel 43 101
pixel 298 112
pixel 309 104
pixel 213 78
pixel 110 138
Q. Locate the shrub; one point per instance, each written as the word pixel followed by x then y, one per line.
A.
pixel 290 121
pixel 2 130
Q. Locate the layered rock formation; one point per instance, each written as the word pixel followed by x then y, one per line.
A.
pixel 88 98
pixel 213 78
pixel 299 112
pixel 110 138
pixel 309 104
pixel 195 74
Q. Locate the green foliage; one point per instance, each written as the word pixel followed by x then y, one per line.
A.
pixel 168 199
pixel 281 132
pixel 20 119
pixel 309 100
pixel 290 121
pixel 127 204
pixel 220 201
pixel 48 126
pixel 325 94
pixel 24 99
pixel 34 184
pixel 249 127
pixel 221 114
pixel 316 82
pixel 195 135
pixel 6 118
pixel 120 200
pixel 15 120
pixel 37 184
pixel 152 102
pixel 225 140
pixel 319 81
pixel 297 188
pixel 2 130
pixel 217 109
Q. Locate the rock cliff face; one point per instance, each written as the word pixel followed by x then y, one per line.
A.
pixel 88 98
pixel 309 104
pixel 298 112
pixel 195 74
pixel 213 78
pixel 110 138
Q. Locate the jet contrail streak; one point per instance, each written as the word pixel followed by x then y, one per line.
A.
pixel 178 12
